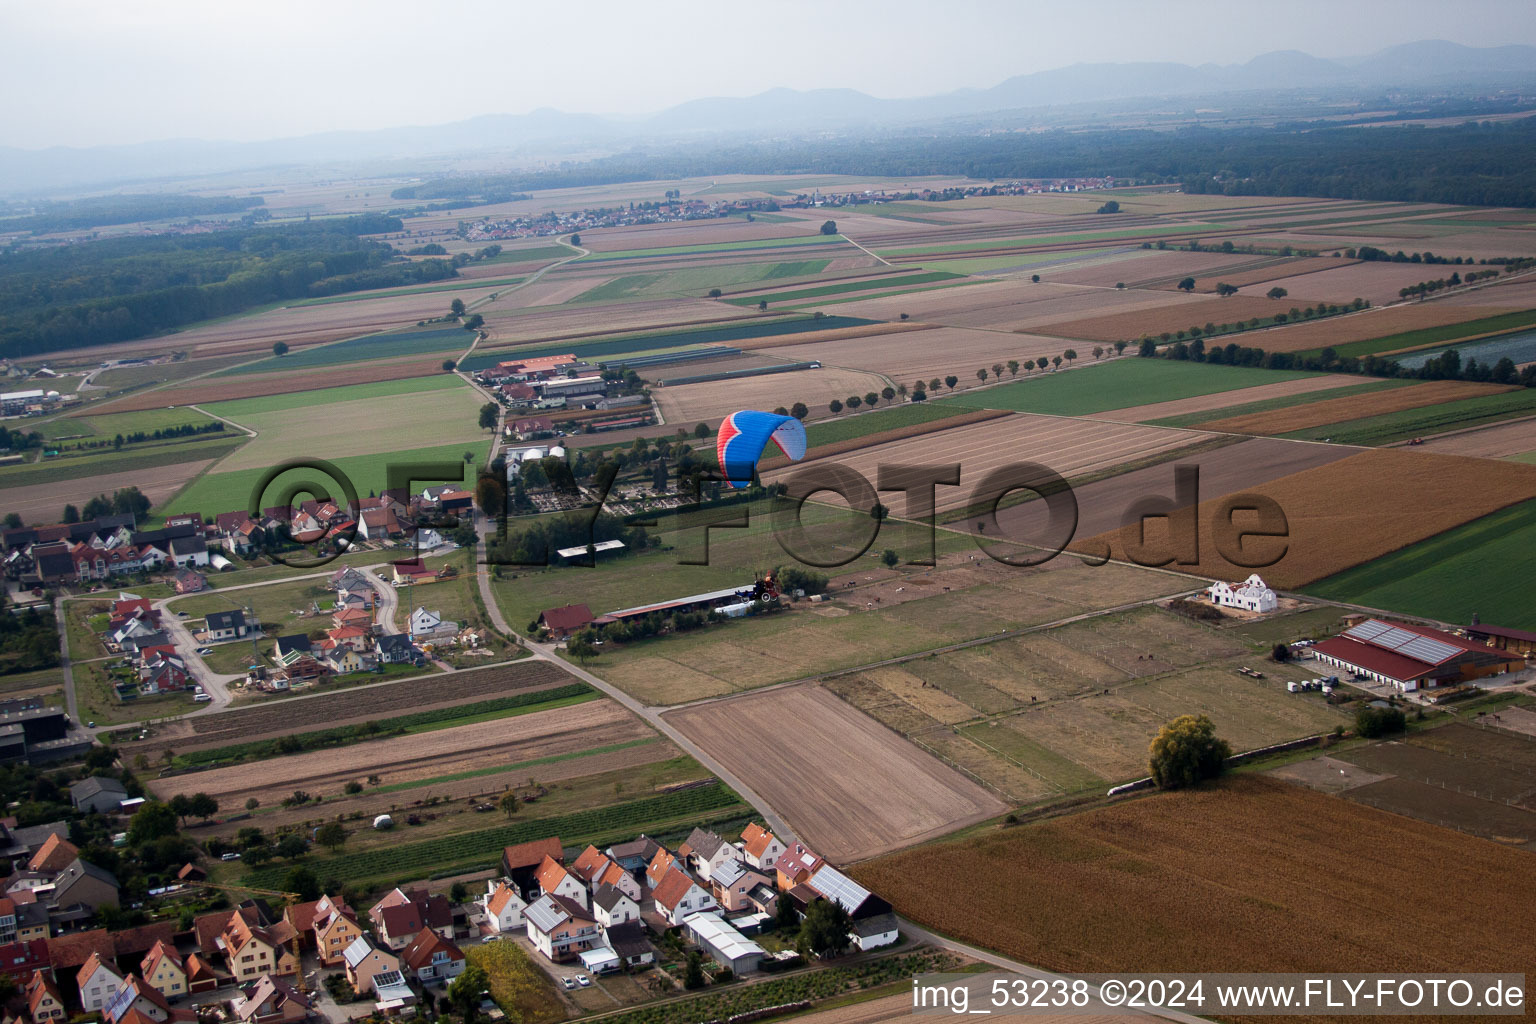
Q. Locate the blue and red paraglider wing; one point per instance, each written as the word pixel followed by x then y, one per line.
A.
pixel 743 436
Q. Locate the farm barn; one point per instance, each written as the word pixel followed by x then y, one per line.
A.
pixel 1515 641
pixel 1411 658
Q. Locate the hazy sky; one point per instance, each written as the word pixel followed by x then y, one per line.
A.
pixel 110 71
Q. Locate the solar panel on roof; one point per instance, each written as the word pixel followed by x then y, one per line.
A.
pixel 839 888
pixel 1403 641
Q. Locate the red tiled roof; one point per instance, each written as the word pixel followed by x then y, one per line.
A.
pixel 1374 659
pixel 76 948
pixel 529 854
pixel 571 616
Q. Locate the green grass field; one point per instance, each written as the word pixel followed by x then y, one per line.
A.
pixel 754 243
pixel 895 283
pixel 360 426
pixel 1485 566
pixel 459 284
pixel 1286 402
pixel 1430 336
pixel 434 339
pixel 697 280
pixel 96 463
pixel 108 424
pixel 1432 419
pixel 213 493
pixel 239 407
pixel 536 254
pixel 850 427
pixel 1117 385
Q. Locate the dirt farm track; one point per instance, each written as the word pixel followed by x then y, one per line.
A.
pixel 857 788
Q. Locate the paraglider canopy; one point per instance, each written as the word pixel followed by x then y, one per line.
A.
pixel 743 436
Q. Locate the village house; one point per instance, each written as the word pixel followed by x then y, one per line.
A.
pixel 425 625
pixel 555 880
pixel 43 1000
pixel 138 1001
pixel 503 907
pixel 335 928
pixel 629 943
pixel 633 855
pixel 164 971
pixel 56 854
pixel 252 950
pixel 612 906
pixel 84 884
pixel 563 621
pixel 520 863
pixel 364 963
pixel 432 958
pixel 409 573
pixel 270 1001
pixel 226 625
pixel 560 928
pixel 595 869
pixel 704 852
pixel 400 916
pixel 732 883
pixel 395 649
pixel 679 895
pixel 200 976
pixel 20 960
pixel 661 862
pixel 873 932
pixel 760 847
pixel 186 552
pixel 98 983
pixel 795 865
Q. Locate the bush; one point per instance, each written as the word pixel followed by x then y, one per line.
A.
pixel 1373 722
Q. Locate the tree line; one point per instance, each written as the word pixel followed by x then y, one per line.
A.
pixel 117 289
pixel 104 211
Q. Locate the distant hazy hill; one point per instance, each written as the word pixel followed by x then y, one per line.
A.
pixel 1428 64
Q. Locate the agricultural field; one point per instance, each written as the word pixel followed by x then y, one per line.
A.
pixel 1477 777
pixel 801 748
pixel 1186 412
pixel 712 401
pixel 876 614
pixel 1070 447
pixel 1335 514
pixel 1228 874
pixel 1388 328
pixel 910 357
pixel 1483 567
pixel 1170 317
pixel 223 389
pixel 1073 708
pixel 1328 411
pixel 1408 424
pixel 429 415
pixel 1496 442
pixel 1120 383
pixel 438 339
pixel 39 493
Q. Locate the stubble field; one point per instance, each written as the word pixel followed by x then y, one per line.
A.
pixel 1339 410
pixel 804 749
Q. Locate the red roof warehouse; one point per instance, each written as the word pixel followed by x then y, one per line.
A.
pixel 1412 657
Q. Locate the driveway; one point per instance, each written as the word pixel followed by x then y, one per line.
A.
pixel 389 602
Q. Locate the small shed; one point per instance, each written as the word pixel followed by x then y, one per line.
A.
pixel 600 960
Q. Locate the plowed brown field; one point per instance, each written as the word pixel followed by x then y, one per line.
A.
pixel 851 787
pixel 1213 878
pixel 1353 407
pixel 1346 513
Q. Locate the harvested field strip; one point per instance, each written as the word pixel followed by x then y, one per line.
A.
pixel 1074 447
pixel 1353 407
pixel 256 385
pixel 1496 442
pixel 806 750
pixel 838 289
pixel 1483 565
pixel 1336 518
pixel 1176 316
pixel 601 825
pixel 853 443
pixel 1200 879
pixel 1117 384
pixel 1275 268
pixel 386 345
pixel 605 348
pixel 423 721
pixel 463 283
pixel 84 466
pixel 320 771
pixel 1390 328
pixel 1027 242
pixel 1200 409
pixel 281 716
pixel 237 409
pixel 518 766
pixel 1410 423
pixel 838 334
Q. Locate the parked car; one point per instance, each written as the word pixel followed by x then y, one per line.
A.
pixel 202 698
pixel 205 651
pixel 181 615
pixel 231 855
pixel 568 983
pixel 583 980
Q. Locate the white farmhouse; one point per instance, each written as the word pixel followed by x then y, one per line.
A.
pixel 1251 595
